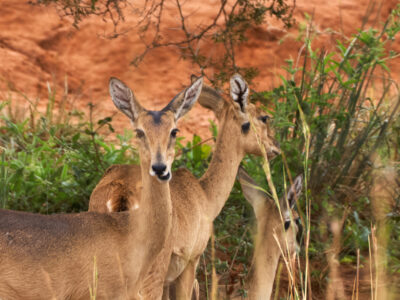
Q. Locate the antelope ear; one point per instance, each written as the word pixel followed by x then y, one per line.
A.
pixel 251 190
pixel 239 91
pixel 211 98
pixel 124 99
pixel 193 78
pixel 185 100
pixel 294 191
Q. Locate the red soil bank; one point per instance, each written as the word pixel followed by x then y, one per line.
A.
pixel 37 46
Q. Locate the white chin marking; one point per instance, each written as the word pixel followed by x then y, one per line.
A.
pixel 164 178
pixel 135 206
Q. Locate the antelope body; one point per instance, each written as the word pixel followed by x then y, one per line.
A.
pixel 276 234
pixel 99 255
pixel 195 202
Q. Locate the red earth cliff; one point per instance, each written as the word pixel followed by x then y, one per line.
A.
pixel 37 46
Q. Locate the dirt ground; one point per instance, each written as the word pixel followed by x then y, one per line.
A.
pixel 38 47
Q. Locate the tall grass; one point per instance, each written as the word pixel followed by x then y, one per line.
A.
pixel 336 114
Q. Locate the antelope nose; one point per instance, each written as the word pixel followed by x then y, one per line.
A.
pixel 276 151
pixel 276 148
pixel 159 169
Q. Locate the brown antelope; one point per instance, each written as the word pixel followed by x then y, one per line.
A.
pixel 93 255
pixel 276 233
pixel 196 202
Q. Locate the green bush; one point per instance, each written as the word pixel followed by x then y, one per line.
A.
pixel 335 114
pixel 344 99
pixel 52 166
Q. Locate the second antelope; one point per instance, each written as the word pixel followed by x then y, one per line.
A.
pixel 196 202
pixel 92 255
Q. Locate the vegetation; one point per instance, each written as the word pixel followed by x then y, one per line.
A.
pixel 50 162
pixel 336 115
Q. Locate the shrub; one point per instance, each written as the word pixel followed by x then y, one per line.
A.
pixel 50 162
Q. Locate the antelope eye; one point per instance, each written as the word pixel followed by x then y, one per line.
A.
pixel 174 132
pixel 139 133
pixel 287 224
pixel 245 127
pixel 299 230
pixel 264 119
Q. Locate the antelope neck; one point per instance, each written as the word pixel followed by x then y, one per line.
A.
pixel 262 274
pixel 220 176
pixel 155 206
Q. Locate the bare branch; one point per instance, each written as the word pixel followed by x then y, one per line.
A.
pixel 228 28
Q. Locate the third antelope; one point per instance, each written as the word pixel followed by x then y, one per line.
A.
pixel 276 233
pixel 196 202
pixel 94 255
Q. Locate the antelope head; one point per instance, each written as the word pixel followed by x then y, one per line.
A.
pixel 270 228
pixel 155 130
pixel 246 122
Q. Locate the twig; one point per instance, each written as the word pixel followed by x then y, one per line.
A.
pixel 181 151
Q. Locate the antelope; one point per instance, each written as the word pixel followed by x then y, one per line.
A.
pixel 91 254
pixel 195 202
pixel 276 233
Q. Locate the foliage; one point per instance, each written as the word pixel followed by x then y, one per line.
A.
pixel 227 30
pixel 111 10
pixel 335 116
pixel 51 163
pixel 195 156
